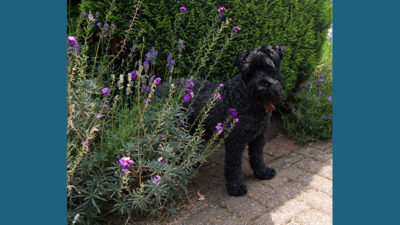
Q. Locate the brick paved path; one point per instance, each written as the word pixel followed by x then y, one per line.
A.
pixel 301 192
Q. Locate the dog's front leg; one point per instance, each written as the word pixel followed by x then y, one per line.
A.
pixel 233 168
pixel 260 170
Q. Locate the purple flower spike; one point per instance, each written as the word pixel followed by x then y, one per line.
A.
pixel 85 143
pixel 330 99
pixel 218 96
pixel 233 112
pixel 157 80
pixel 105 91
pixel 124 163
pixel 186 97
pixel 73 44
pixel 156 179
pixel 98 24
pixel 221 11
pixel 133 74
pixel 219 128
pixel 189 84
pixel 182 9
pixel 235 29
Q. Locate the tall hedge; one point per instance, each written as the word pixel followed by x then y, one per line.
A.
pixel 299 25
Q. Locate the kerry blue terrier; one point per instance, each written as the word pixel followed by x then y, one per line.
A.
pixel 253 94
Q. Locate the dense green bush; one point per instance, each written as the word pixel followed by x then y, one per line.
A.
pixel 310 117
pixel 299 25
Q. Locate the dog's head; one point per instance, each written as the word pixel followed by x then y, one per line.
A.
pixel 261 75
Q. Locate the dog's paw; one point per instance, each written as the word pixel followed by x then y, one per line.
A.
pixel 265 174
pixel 236 189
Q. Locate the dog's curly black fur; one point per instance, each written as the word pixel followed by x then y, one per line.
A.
pixel 256 87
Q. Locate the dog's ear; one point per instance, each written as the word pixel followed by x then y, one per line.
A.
pixel 275 52
pixel 240 58
pixel 280 50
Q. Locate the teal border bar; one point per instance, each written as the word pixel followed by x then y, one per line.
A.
pixel 33 112
pixel 366 102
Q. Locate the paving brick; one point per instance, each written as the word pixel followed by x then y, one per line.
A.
pixel 283 214
pixel 310 165
pixel 313 217
pixel 286 161
pixel 317 182
pixel 285 143
pixel 323 145
pixel 231 220
pixel 205 216
pixel 316 154
pixel 275 151
pixel 284 176
pixel 317 200
pixel 244 207
pixel 326 171
pixel 274 198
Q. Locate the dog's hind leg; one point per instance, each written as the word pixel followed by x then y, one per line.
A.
pixel 260 170
pixel 233 168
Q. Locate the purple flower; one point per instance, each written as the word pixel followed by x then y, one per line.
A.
pixel 98 24
pixel 169 58
pixel 330 99
pixel 124 163
pixel 105 91
pixel 106 27
pixel 180 48
pixel 189 84
pixel 319 81
pixel 322 76
pixel 233 112
pixel 91 18
pixel 161 136
pixel 145 88
pixel 133 74
pixel 146 66
pixel 235 29
pixel 145 102
pixel 182 9
pixel 85 143
pixel 323 117
pixel 236 120
pixel 157 80
pixel 218 95
pixel 221 85
pixel 319 93
pixel 171 67
pixel 219 128
pixel 156 179
pixel 221 11
pixel 83 14
pixel 99 116
pixel 186 97
pixel 148 56
pixel 73 44
pixel 160 159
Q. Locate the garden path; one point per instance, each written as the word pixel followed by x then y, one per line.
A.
pixel 301 192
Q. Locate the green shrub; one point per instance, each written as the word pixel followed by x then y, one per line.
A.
pixel 310 118
pixel 301 26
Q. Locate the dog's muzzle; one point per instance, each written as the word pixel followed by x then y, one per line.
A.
pixel 269 94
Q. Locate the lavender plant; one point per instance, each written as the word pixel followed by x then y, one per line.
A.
pixel 311 115
pixel 130 153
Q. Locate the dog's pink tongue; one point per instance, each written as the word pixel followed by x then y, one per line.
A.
pixel 270 108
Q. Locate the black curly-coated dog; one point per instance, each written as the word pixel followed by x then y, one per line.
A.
pixel 253 94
